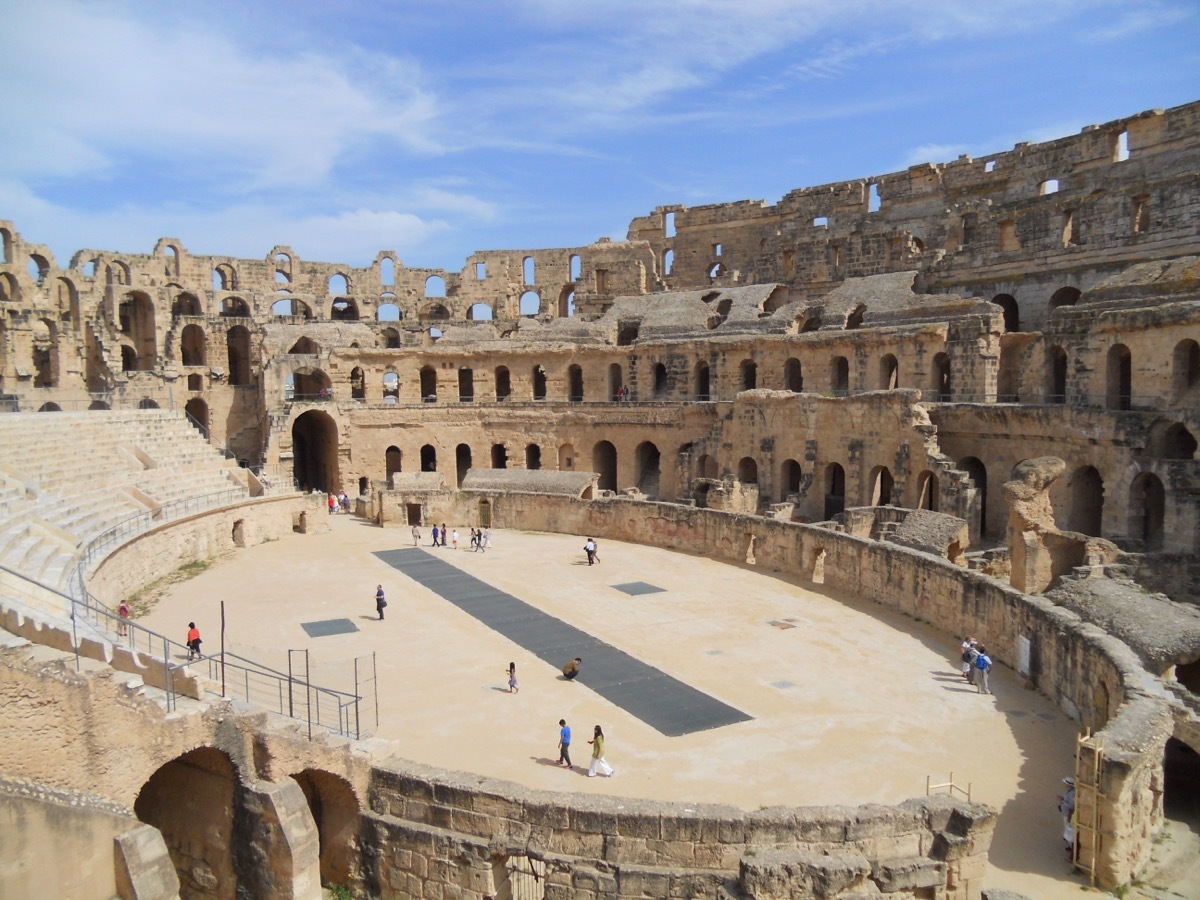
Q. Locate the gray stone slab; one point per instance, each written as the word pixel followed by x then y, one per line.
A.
pixel 634 588
pixel 326 627
pixel 662 702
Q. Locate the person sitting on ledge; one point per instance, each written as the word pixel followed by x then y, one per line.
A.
pixel 571 669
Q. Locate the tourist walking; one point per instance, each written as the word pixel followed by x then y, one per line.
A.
pixel 512 678
pixel 123 623
pixel 454 539
pixel 193 642
pixel 564 744
pixel 969 653
pixel 435 535
pixel 485 540
pixel 445 535
pixel 983 665
pixel 598 760
pixel 380 600
pixel 416 535
pixel 589 547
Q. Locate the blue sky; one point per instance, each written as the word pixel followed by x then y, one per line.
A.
pixel 436 129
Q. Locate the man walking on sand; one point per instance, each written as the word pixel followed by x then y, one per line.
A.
pixel 564 744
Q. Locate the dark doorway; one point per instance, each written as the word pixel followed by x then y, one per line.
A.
pixel 315 445
pixel 462 461
pixel 604 463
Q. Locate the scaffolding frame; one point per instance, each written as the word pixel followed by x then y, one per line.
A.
pixel 930 787
pixel 1089 765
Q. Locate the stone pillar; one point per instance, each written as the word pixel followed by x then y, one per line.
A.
pixel 279 855
pixel 144 867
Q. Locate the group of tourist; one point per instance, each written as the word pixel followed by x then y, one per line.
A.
pixel 976 664
pixel 481 538
pixel 339 502
pixel 591 548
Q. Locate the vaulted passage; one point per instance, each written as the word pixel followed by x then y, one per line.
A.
pixel 315 445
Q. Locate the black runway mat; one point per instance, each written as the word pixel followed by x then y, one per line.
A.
pixel 637 587
pixel 662 702
pixel 326 627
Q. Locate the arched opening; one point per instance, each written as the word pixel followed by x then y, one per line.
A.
pixel 747 470
pixel 927 491
pixel 1087 501
pixel 1008 378
pixel 503 383
pixel 235 308
pixel 129 360
pixel 136 318
pixel 706 467
pixel 435 286
pixel 660 381
pixel 393 462
pixel 480 312
pixel 1012 313
pixel 45 353
pixel 98 405
pixel 391 388
pixel 344 309
pixel 311 385
pixel 889 373
pixel 1176 443
pixel 499 456
pixel 462 462
pixel 315 449
pixel 835 490
pixel 433 312
pixel 789 479
pixel 604 464
pixel 428 458
pixel 1186 369
pixel 575 384
pixel 305 346
pixel 615 381
pixel 50 407
pixel 1147 510
pixel 1067 296
pixel 793 375
pixel 335 811
pixel 538 380
pixel 627 334
pixel 702 385
pixel 1119 377
pixel 530 304
pixel 466 385
pixel 388 312
pixel 192 344
pixel 749 373
pixel 881 486
pixel 1181 768
pixel 147 403
pixel 566 303
pixel 390 338
pixel 839 376
pixel 941 377
pixel 977 521
pixel 1056 375
pixel 197 410
pixel 185 305
pixel 648 461
pixel 533 457
pixel 358 384
pixel 429 385
pixel 190 800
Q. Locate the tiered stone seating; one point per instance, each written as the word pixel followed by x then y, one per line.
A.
pixel 65 478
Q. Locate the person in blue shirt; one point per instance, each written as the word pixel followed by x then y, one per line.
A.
pixel 564 744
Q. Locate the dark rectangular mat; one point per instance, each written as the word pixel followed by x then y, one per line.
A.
pixel 662 702
pixel 326 627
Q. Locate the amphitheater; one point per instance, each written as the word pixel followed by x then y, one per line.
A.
pixel 958 399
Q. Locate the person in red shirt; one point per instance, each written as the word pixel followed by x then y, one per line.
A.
pixel 193 642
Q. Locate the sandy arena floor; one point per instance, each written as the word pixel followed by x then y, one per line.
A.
pixel 851 705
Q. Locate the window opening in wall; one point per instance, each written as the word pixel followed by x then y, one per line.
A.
pixel 528 270
pixel 539 383
pixel 718 249
pixel 390 338
pixel 1121 146
pixel 462 461
pixel 1067 296
pixel 978 504
pixel 1056 375
pixel 749 375
pixel 717 270
pixel 881 486
pixel 337 284
pixel 1147 506
pixel 575 384
pixel 668 261
pixel 435 286
pixel 428 458
pixel 1070 234
pixel 533 457
pixel 601 281
pixel 1119 377
pixel 429 384
pixel 480 271
pixel 669 225
pixel 194 383
pixel 1049 186
pixel 793 375
pixel 874 201
pixel 576 265
pixel 531 303
pixel 358 385
pixel 1012 313
pixel 387 271
pixel 503 384
pixel 835 490
pixel 660 381
pixel 615 382
pixel 479 312
pixel 627 335
pixel 499 456
pixel 387 312
pixel 941 377
pixel 969 224
pixel 820 221
pixel 839 372
pixel 989 166
pixel 1141 214
pixel 889 373
pixel 1186 370
pixel 434 332
pixel 566 306
pixel 391 388
pixel 1087 501
pixel 466 385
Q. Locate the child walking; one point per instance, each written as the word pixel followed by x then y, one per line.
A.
pixel 512 678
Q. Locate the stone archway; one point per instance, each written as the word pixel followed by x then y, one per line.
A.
pixel 335 810
pixel 315 445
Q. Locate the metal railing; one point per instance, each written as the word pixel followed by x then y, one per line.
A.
pixel 230 675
